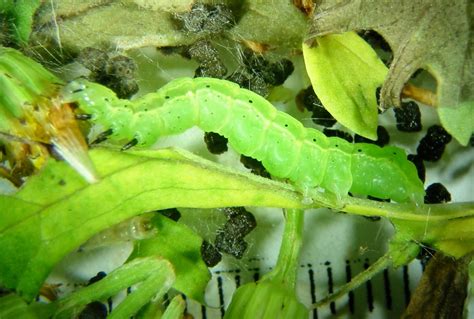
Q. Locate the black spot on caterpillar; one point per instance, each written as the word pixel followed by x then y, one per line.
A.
pixel 254 128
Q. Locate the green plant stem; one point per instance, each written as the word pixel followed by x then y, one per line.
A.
pixel 399 254
pixel 405 211
pixel 154 275
pixel 381 263
pixel 292 241
pixel 410 212
pixel 175 309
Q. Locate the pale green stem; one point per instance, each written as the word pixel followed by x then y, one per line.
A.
pixel 154 275
pixel 175 309
pixel 292 241
pixel 406 211
pixel 396 256
pixel 381 263
pixel 409 212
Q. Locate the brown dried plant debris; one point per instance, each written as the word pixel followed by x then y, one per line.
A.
pixel 442 290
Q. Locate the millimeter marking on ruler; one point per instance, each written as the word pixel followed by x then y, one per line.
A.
pixel 351 293
pixel 221 295
pixel 388 292
pixel 370 295
pixel 332 305
pixel 406 285
pixel 312 288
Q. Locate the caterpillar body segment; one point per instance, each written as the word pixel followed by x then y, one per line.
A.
pixel 387 176
pixel 338 174
pixel 254 128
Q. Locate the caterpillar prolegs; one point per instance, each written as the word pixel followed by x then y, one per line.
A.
pixel 254 128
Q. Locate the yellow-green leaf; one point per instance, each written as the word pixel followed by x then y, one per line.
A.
pixel 56 211
pixel 345 73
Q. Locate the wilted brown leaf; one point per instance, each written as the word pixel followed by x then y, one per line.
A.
pixel 442 290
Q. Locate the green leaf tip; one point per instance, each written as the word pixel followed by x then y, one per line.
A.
pixel 458 121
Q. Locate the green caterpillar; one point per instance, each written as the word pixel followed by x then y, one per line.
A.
pixel 254 128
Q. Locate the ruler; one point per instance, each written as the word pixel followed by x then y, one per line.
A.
pixel 336 248
pixel 384 296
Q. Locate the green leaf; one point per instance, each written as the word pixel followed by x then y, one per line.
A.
pixel 56 211
pixel 182 247
pixel 345 73
pixel 458 121
pixel 13 306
